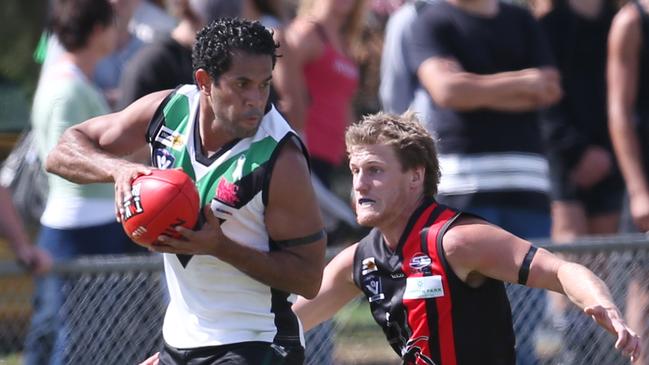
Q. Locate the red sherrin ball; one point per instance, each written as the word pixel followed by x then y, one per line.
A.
pixel 160 202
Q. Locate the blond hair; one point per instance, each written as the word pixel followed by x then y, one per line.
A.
pixel 412 144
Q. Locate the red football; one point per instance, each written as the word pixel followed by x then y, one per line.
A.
pixel 159 203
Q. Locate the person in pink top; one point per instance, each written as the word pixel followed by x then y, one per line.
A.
pixel 321 40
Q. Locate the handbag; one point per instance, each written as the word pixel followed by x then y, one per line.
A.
pixel 23 174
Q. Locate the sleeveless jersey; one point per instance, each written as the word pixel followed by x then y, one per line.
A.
pixel 211 302
pixel 332 80
pixel 429 316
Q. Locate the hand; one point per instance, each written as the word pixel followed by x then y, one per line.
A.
pixel 628 342
pixel 35 259
pixel 543 85
pixel 209 240
pixel 153 360
pixel 594 165
pixel 639 206
pixel 123 178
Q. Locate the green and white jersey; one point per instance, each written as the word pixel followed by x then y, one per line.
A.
pixel 212 302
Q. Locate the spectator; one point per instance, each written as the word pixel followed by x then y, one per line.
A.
pixel 167 62
pixel 488 68
pixel 586 186
pixel 78 220
pixel 109 70
pixel 628 112
pixel 321 39
pixel 400 89
pixel 33 258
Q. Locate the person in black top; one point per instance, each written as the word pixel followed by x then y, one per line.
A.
pixel 587 187
pixel 628 113
pixel 167 62
pixel 488 69
pixel 434 276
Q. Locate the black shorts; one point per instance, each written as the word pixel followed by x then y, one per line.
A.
pixel 244 353
pixel 603 198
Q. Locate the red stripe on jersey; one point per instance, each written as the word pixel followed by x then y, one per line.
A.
pixel 416 308
pixel 444 303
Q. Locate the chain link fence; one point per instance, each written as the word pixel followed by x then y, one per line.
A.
pixel 115 305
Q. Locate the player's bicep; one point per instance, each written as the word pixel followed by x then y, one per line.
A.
pixel 474 246
pixel 123 132
pixel 292 213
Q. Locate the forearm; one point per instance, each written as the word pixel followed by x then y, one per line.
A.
pixel 11 225
pixel 467 91
pixel 281 269
pixel 583 287
pixel 77 159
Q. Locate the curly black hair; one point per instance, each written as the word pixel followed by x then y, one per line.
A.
pixel 217 41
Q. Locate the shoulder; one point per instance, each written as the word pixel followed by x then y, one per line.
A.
pixel 302 37
pixel 625 36
pixel 628 17
pixel 465 233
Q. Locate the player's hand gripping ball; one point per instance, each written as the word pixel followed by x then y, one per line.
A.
pixel 160 202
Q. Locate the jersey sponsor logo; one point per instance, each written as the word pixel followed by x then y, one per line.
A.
pixel 423 287
pixel 374 288
pixel 419 261
pixel 133 206
pixel 397 275
pixel 170 138
pixel 226 192
pixel 163 158
pixel 368 266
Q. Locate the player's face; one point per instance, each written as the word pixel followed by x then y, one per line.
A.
pixel 239 96
pixel 380 187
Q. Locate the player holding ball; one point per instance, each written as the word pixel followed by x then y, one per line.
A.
pixel 232 280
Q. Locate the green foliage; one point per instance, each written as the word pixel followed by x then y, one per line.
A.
pixel 21 24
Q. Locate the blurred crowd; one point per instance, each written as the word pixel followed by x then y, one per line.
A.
pixel 541 109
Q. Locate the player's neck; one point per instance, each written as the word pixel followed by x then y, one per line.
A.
pixel 484 8
pixel 393 230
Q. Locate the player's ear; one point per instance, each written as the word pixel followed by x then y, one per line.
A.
pixel 204 81
pixel 417 176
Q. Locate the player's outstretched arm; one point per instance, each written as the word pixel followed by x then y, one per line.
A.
pixel 475 248
pixel 337 289
pixel 293 222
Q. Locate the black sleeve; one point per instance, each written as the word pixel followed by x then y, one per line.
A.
pixel 431 33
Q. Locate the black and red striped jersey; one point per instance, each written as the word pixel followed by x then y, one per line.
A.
pixel 430 316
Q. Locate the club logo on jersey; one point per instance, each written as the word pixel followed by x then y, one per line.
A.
pixel 368 266
pixel 226 192
pixel 133 206
pixel 419 261
pixel 374 288
pixel 163 158
pixel 170 138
